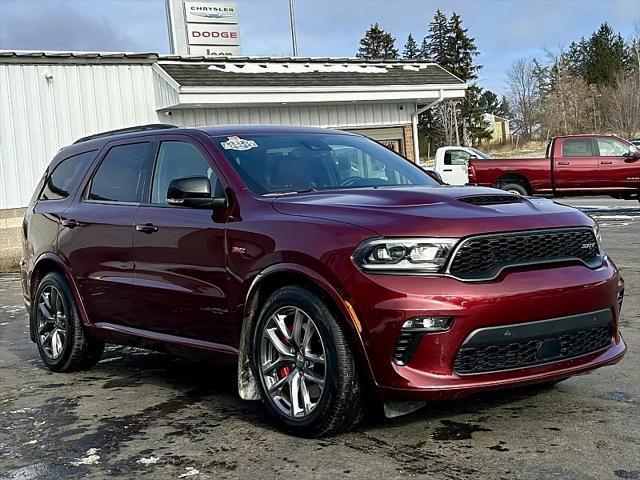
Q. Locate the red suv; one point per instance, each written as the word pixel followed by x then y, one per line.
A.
pixel 332 271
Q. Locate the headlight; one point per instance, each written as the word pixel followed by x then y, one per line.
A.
pixel 404 254
pixel 598 235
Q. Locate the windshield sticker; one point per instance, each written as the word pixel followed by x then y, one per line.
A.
pixel 237 143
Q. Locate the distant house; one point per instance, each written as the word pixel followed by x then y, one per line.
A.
pixel 499 128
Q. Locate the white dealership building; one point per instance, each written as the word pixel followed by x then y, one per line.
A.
pixel 50 99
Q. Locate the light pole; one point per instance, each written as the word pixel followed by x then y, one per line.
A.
pixel 292 19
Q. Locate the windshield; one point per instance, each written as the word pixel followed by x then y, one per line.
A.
pixel 296 162
pixel 480 153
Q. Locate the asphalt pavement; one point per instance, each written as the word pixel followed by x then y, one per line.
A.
pixel 141 414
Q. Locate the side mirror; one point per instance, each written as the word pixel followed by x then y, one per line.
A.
pixel 194 192
pixel 472 157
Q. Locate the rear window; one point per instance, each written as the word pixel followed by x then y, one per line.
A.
pixel 582 147
pixel 285 163
pixel 118 176
pixel 65 176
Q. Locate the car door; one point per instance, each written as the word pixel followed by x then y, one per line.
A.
pixel 180 252
pixel 97 232
pixel 575 164
pixel 455 166
pixel 618 170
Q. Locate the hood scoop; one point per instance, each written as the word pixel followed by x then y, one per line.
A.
pixel 483 200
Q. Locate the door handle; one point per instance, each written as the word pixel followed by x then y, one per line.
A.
pixel 609 162
pixel 70 223
pixel 564 163
pixel 146 228
pixel 448 170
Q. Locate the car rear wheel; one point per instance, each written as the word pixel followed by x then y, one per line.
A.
pixel 306 368
pixel 60 336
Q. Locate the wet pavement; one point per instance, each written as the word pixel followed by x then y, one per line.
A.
pixel 141 414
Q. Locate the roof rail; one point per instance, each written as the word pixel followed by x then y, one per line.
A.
pixel 139 128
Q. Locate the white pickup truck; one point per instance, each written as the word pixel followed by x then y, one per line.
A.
pixel 451 163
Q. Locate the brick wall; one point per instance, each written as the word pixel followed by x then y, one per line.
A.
pixel 10 243
pixel 407 134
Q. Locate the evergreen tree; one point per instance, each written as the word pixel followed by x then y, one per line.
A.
pixel 461 50
pixel 504 110
pixel 435 45
pixel 599 58
pixel 411 49
pixel 377 44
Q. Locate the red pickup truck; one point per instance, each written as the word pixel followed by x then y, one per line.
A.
pixel 573 165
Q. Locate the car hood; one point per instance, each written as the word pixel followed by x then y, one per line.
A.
pixel 438 211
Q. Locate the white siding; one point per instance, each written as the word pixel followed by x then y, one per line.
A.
pixel 39 116
pixel 336 116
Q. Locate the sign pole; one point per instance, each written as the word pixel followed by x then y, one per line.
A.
pixel 292 19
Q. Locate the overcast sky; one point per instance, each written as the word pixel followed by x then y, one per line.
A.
pixel 504 30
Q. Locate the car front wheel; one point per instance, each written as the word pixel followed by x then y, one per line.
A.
pixel 306 368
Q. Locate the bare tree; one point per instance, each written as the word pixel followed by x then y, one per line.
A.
pixel 523 95
pixel 621 105
pixel 448 112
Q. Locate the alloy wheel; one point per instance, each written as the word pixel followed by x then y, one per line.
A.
pixel 52 322
pixel 293 362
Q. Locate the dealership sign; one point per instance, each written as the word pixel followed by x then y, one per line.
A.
pixel 210 12
pixel 207 28
pixel 207 34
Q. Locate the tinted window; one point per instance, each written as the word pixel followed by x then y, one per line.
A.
pixel 118 176
pixel 577 148
pixel 65 176
pixel 302 161
pixel 456 157
pixel 609 147
pixel 177 160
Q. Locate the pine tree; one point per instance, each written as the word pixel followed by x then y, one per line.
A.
pixel 461 50
pixel 504 110
pixel 377 44
pixel 435 45
pixel 411 48
pixel 599 58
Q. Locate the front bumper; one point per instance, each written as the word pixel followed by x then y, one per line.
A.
pixel 517 296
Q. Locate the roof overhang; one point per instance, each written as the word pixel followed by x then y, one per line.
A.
pixel 177 95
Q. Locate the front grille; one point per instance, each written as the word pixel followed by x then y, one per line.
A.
pixel 490 199
pixel 508 347
pixel 484 257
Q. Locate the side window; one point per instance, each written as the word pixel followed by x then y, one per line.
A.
pixel 578 147
pixel 65 176
pixel 456 157
pixel 118 176
pixel 178 160
pixel 609 147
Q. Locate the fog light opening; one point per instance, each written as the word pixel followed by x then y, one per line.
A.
pixel 412 332
pixel 428 324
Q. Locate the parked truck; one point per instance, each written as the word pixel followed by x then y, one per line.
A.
pixel 573 165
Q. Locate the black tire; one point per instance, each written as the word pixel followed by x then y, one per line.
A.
pixel 78 352
pixel 515 188
pixel 340 406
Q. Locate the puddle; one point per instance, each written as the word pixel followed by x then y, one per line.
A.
pixel 456 430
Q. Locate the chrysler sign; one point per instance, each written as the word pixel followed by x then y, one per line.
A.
pixel 210 12
pixel 204 27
